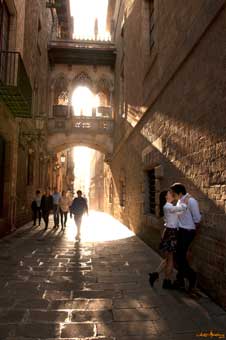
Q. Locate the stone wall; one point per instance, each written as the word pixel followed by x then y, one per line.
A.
pixel 96 193
pixel 182 132
pixel 30 28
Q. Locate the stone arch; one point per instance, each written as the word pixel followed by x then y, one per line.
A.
pixel 83 79
pixel 61 141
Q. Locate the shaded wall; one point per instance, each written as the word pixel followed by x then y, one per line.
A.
pixel 183 131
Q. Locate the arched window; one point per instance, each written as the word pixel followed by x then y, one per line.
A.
pixel 102 98
pixel 61 91
pixel 103 106
pixel 30 168
pixel 83 101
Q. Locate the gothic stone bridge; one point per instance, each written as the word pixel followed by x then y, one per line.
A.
pixel 68 130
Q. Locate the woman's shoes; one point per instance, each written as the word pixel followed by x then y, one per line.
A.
pixel 153 277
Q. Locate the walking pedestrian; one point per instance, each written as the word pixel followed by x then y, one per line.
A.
pixel 36 208
pixel 64 204
pixel 169 237
pixel 46 207
pixel 189 223
pixel 56 208
pixel 78 208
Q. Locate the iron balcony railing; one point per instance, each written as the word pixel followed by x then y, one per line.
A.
pixel 15 87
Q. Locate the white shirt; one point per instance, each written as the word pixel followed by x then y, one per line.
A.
pixel 191 216
pixel 38 201
pixel 171 213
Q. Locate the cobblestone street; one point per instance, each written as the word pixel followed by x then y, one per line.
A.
pixel 53 287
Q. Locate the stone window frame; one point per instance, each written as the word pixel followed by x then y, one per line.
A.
pixel 158 176
pixel 122 194
pixel 5 17
pixel 150 54
pixel 111 192
pixel 150 195
pixel 122 188
pixel 30 167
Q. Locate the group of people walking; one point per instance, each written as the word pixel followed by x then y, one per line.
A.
pixel 182 221
pixel 60 205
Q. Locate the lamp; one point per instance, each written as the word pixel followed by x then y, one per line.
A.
pixel 62 158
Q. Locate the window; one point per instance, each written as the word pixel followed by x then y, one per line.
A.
pixel 39 38
pixel 151 24
pixel 111 192
pixel 4 26
pixel 151 191
pixel 122 198
pixel 40 172
pixel 2 168
pixel 30 167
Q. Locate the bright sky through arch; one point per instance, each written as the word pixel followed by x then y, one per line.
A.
pixel 85 12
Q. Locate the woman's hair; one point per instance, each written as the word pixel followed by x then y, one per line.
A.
pixel 162 201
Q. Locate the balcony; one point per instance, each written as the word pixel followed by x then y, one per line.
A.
pixel 82 52
pixel 15 87
pixel 65 130
pixel 75 124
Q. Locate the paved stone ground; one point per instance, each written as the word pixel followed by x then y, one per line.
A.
pixel 54 288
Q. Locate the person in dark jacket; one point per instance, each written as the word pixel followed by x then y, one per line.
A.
pixel 36 208
pixel 78 208
pixel 46 206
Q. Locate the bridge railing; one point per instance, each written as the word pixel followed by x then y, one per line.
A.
pixel 67 111
pixel 98 125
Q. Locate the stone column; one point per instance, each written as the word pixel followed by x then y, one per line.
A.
pixel 51 101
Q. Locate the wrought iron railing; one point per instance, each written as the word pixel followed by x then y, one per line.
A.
pixel 15 87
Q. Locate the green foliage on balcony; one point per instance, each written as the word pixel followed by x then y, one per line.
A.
pixel 15 87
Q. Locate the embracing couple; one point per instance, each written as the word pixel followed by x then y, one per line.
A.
pixel 181 226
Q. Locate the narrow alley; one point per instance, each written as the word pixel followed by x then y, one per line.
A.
pixel 55 288
pixel 113 112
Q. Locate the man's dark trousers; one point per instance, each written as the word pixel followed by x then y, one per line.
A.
pixel 56 216
pixel 185 238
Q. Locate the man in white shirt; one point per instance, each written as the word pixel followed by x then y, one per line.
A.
pixel 188 225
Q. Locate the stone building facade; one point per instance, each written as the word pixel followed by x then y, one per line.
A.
pixel 167 90
pixel 26 27
pixel 170 125
pixel 96 193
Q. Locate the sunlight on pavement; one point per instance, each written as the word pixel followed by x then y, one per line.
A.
pixel 98 227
